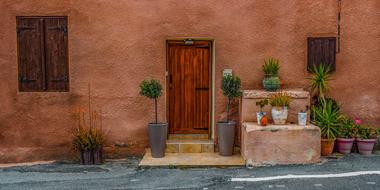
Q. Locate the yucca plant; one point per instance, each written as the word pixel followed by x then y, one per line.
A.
pixel 271 67
pixel 326 117
pixel 319 80
pixel 280 99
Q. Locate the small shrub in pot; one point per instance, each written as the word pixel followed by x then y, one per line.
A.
pixel 366 140
pixel 152 89
pixel 261 116
pixel 226 129
pixel 346 133
pixel 280 103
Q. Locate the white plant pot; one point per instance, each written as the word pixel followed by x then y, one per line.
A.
pixel 302 118
pixel 279 115
pixel 259 115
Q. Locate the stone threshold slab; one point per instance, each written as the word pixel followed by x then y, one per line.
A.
pixel 192 160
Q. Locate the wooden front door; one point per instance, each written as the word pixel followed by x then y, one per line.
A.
pixel 189 87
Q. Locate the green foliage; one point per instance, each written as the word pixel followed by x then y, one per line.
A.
pixel 346 127
pixel 271 67
pixel 368 132
pixel 319 80
pixel 85 138
pixel 151 89
pixel 280 99
pixel 326 117
pixel 271 83
pixel 262 103
pixel 231 89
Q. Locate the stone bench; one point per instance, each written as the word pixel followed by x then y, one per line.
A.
pixel 280 144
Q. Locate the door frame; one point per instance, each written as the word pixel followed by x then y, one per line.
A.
pixel 212 79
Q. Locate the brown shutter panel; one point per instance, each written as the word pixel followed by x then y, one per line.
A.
pixel 321 50
pixel 30 54
pixel 57 71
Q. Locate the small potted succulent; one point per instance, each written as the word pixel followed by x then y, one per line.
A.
pixel 302 117
pixel 366 140
pixel 326 117
pixel 346 133
pixel 271 81
pixel 226 129
pixel 280 103
pixel 157 131
pixel 261 116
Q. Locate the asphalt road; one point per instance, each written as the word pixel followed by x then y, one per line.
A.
pixel 124 174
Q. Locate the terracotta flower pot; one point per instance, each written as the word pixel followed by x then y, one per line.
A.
pixel 365 146
pixel 327 146
pixel 344 145
pixel 226 137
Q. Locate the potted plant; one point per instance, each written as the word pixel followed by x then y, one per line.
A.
pixel 280 103
pixel 321 75
pixel 345 135
pixel 326 117
pixel 261 116
pixel 302 117
pixel 366 139
pixel 271 81
pixel 226 129
pixel 88 136
pixel 157 131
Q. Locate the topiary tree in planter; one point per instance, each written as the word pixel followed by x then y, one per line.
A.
pixel 226 129
pixel 157 131
pixel 151 89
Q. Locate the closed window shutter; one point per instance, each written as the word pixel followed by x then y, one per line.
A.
pixel 30 50
pixel 57 75
pixel 321 50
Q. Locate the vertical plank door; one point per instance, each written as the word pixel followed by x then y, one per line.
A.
pixel 189 85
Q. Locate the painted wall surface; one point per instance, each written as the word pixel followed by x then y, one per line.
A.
pixel 114 44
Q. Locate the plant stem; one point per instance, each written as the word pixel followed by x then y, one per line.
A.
pixel 155 108
pixel 228 109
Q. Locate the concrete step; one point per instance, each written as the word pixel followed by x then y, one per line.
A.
pixel 189 146
pixel 188 136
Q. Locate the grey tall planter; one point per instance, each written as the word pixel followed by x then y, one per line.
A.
pixel 226 137
pixel 157 139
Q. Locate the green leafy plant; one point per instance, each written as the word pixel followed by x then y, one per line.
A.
pixel 346 127
pixel 271 67
pixel 280 99
pixel 319 80
pixel 326 117
pixel 231 89
pixel 368 132
pixel 262 103
pixel 151 89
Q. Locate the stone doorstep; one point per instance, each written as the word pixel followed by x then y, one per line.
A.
pixel 189 146
pixel 192 160
pixel 188 136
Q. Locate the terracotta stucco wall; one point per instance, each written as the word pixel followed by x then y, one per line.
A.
pixel 113 45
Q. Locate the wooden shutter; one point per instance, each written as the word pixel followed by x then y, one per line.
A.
pixel 57 75
pixel 30 54
pixel 321 50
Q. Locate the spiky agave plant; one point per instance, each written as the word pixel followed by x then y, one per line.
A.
pixel 271 67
